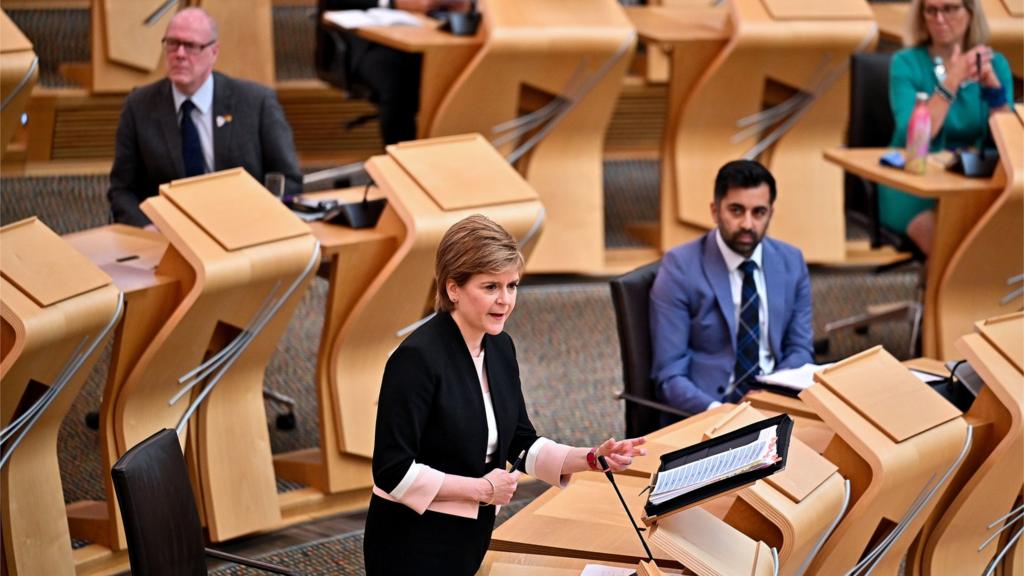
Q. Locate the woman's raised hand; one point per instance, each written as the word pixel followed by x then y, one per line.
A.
pixel 619 453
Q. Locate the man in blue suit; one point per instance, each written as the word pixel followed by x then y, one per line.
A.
pixel 732 304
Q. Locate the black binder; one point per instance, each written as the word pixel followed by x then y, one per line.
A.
pixel 717 445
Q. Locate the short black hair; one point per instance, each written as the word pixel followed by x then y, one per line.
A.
pixel 743 174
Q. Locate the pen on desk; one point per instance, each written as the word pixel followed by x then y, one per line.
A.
pixel 519 460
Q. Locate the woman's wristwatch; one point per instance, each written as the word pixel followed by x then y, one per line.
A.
pixel 592 460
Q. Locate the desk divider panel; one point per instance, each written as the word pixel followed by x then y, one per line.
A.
pixel 56 336
pixel 1005 335
pixel 130 43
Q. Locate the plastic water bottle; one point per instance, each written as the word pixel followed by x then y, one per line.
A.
pixel 919 134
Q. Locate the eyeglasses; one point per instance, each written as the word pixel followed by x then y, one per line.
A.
pixel 171 46
pixel 947 10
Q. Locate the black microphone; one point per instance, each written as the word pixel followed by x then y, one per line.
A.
pixel 611 478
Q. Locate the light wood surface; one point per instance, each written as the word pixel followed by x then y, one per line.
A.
pixel 887 477
pixel 583 520
pixel 977 280
pixel 527 54
pixel 18 71
pixel 534 53
pixel 381 281
pixel 41 335
pixel 716 83
pixel 510 564
pixel 127 53
pixel 987 486
pixel 961 203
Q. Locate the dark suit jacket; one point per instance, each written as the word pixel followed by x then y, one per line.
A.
pixel 148 151
pixel 431 409
pixel 693 319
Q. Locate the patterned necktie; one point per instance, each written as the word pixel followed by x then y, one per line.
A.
pixel 191 148
pixel 748 332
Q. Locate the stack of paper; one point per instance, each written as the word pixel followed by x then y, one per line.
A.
pixel 794 378
pixel 689 477
pixel 373 17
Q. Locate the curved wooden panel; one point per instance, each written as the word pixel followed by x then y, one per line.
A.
pixel 131 38
pixel 977 280
pixel 19 71
pixel 228 291
pixel 36 539
pixel 767 60
pixel 893 483
pixel 535 52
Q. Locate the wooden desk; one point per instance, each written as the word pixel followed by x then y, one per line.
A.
pixel 57 312
pixel 563 61
pixel 992 475
pixel 583 520
pixel 961 203
pixel 735 64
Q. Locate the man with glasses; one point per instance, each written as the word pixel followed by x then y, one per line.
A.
pixel 195 121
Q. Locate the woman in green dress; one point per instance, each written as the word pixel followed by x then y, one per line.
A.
pixel 950 38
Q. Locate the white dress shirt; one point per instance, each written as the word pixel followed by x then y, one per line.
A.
pixel 202 116
pixel 732 262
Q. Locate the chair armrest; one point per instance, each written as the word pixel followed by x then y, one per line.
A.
pixel 250 563
pixel 652 404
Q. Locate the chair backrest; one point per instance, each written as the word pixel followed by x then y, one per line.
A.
pixel 631 299
pixel 161 523
pixel 871 124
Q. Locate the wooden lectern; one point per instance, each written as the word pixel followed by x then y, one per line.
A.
pixel 775 89
pixel 57 312
pixel 200 330
pixel 19 70
pixel 381 285
pixel 792 511
pixel 984 275
pixel 542 88
pixel 126 49
pixel 965 530
pixel 898 442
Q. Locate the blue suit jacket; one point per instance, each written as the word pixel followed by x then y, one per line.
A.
pixel 693 319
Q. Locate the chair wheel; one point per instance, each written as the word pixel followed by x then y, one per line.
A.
pixel 286 421
pixel 92 420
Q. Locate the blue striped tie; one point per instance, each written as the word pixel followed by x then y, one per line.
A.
pixel 191 148
pixel 748 335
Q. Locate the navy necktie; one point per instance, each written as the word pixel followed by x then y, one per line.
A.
pixel 748 333
pixel 191 147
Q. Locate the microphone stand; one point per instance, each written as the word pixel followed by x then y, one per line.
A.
pixel 611 478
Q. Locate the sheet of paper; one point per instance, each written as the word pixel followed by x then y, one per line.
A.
pixel 602 570
pixel 352 19
pixel 689 477
pixel 796 378
pixel 926 377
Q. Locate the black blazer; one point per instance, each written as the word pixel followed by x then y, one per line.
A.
pixel 431 409
pixel 148 152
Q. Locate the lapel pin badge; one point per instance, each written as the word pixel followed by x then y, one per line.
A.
pixel 222 120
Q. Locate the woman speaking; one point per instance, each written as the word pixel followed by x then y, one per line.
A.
pixel 451 414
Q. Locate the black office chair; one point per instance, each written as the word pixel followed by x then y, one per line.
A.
pixel 159 511
pixel 871 125
pixel 332 61
pixel 631 299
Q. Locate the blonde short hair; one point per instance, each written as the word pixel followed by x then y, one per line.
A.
pixel 473 245
pixel 977 32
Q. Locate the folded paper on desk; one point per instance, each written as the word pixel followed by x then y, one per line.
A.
pixel 352 19
pixel 794 378
pixel 719 465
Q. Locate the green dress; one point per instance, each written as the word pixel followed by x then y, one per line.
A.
pixel 912 70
